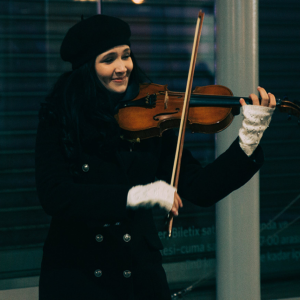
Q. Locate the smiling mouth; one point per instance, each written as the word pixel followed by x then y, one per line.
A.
pixel 119 79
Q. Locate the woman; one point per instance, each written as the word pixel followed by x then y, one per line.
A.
pixel 99 189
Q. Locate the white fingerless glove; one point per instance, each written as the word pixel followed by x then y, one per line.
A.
pixel 256 121
pixel 158 192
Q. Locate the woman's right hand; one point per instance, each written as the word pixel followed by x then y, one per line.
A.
pixel 158 192
pixel 177 203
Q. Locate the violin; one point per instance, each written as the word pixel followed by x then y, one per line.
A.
pixel 211 110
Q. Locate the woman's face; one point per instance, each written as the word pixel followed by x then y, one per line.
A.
pixel 113 68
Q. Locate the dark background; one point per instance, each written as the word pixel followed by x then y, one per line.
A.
pixel 162 37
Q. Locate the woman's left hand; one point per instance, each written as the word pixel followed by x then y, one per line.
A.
pixel 267 99
pixel 257 118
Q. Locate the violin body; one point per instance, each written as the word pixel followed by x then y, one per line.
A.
pixel 140 122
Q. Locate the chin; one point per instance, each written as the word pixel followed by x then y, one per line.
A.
pixel 119 89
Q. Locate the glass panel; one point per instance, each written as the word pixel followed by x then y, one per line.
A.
pixel 31 33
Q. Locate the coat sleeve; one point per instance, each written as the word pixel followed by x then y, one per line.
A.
pixel 60 196
pixel 204 186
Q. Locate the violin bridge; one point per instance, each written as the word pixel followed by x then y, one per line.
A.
pixel 166 99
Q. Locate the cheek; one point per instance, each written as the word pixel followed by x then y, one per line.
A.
pixel 103 74
pixel 129 66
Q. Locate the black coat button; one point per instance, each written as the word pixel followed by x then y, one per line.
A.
pixel 126 237
pixel 85 168
pixel 98 273
pixel 127 273
pixel 99 238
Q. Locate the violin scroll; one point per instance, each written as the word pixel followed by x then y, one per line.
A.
pixel 291 108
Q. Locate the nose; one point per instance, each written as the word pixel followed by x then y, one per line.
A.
pixel 120 67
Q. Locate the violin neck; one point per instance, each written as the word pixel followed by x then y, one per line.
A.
pixel 224 101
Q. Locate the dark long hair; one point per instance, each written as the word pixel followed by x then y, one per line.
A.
pixel 78 94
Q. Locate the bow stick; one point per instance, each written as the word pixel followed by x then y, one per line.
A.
pixel 185 109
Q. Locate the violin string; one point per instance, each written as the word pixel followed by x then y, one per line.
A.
pixel 281 212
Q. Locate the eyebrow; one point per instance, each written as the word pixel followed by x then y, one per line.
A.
pixel 114 53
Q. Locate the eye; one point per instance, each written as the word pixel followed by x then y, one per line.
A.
pixel 108 60
pixel 126 56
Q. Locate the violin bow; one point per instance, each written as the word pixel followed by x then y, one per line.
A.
pixel 185 109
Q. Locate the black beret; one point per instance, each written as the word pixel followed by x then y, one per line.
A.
pixel 93 36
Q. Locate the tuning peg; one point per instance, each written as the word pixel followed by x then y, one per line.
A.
pixel 286 98
pixel 289 117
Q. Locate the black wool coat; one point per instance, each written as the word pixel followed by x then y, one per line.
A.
pixel 97 248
